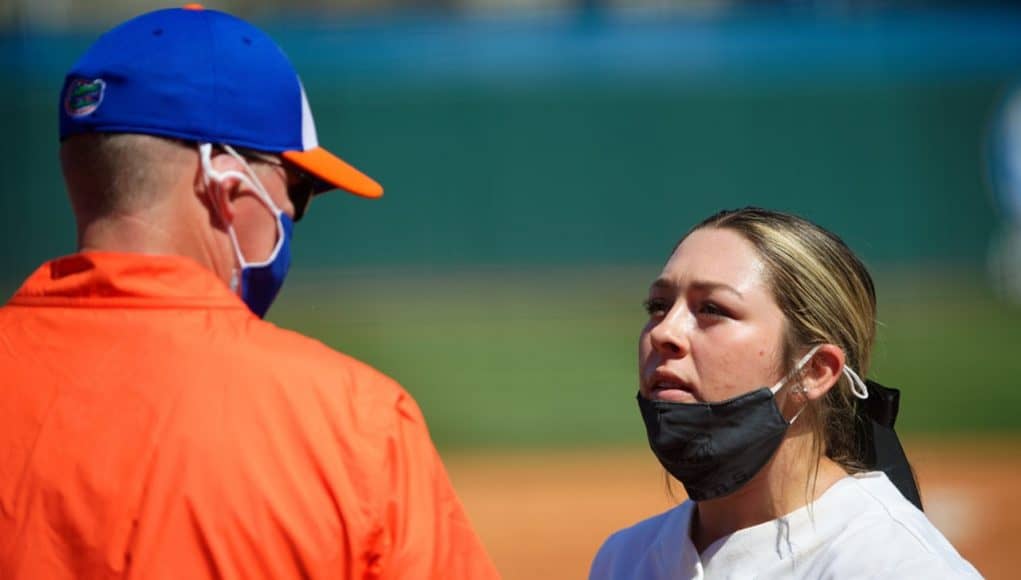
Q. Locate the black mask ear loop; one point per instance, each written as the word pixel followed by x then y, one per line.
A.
pixel 878 445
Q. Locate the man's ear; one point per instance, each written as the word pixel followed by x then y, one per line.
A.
pixel 822 372
pixel 222 193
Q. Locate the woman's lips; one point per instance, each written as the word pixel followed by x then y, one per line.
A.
pixel 672 389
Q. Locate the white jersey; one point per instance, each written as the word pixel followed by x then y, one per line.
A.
pixel 862 527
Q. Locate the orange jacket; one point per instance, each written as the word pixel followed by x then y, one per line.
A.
pixel 152 427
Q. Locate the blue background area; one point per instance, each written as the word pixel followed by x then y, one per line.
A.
pixel 771 45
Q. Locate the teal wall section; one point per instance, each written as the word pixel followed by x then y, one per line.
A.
pixel 589 156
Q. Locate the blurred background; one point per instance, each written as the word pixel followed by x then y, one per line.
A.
pixel 542 157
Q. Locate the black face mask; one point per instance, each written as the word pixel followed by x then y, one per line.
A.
pixel 714 448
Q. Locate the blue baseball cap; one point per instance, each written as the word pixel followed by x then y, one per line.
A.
pixel 205 76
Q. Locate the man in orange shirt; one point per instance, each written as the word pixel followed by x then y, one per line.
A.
pixel 152 425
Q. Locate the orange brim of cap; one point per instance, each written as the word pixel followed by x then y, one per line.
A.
pixel 334 171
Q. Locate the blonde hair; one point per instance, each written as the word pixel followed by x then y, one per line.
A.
pixel 827 297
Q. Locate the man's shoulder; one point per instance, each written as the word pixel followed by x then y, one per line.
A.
pixel 285 389
pixel 304 364
pixel 305 352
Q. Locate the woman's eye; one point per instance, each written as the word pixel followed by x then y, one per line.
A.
pixel 656 306
pixel 711 309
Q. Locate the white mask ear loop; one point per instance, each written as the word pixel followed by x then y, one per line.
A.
pixel 210 175
pixel 797 367
pixel 857 385
pixel 206 152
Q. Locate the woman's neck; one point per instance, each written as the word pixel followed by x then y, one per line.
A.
pixel 784 485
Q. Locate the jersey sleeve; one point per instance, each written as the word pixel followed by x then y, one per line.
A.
pixel 428 530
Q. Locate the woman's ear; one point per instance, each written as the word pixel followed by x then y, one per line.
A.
pixel 822 372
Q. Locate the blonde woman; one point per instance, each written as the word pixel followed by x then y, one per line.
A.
pixel 760 327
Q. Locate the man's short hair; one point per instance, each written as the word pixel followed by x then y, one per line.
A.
pixel 123 172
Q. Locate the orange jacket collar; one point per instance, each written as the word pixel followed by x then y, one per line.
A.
pixel 125 280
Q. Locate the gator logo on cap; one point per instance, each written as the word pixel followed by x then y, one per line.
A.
pixel 84 97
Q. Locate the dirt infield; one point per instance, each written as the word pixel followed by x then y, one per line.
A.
pixel 543 515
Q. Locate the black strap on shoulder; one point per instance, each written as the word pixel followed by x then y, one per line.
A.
pixel 877 441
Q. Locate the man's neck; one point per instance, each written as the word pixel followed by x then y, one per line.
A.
pixel 148 234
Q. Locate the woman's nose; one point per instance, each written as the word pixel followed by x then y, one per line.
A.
pixel 669 336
